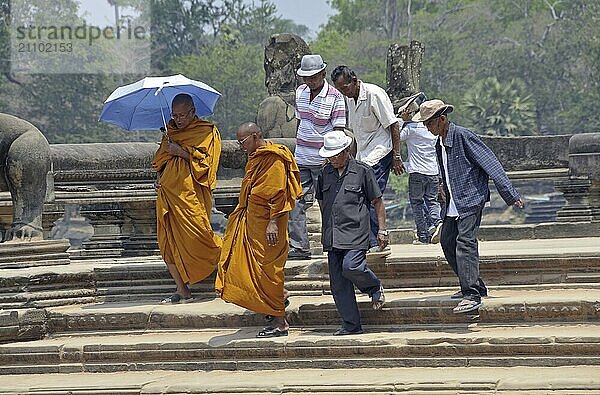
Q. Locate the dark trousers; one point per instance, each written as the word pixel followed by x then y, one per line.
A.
pixel 459 243
pixel 298 233
pixel 382 174
pixel 347 269
pixel 423 195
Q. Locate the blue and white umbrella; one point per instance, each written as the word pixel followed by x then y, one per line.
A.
pixel 146 104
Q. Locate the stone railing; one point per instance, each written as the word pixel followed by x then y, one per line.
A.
pixel 111 184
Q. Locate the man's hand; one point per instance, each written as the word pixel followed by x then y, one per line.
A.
pixel 176 150
pixel 398 166
pixel 382 240
pixel 441 192
pixel 519 203
pixel 272 232
pixel 157 181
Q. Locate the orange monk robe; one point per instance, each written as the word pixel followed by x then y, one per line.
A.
pixel 183 204
pixel 251 272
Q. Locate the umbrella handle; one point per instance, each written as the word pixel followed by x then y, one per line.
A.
pixel 164 129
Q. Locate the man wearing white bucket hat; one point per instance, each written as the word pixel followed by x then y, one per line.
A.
pixel 466 164
pixel 345 189
pixel 320 108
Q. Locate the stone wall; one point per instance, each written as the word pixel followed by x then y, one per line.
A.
pixel 530 152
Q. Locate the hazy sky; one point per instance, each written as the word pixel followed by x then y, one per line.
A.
pixel 311 13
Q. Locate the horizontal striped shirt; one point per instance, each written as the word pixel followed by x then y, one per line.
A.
pixel 317 117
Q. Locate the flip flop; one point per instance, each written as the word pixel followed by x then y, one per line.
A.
pixel 272 332
pixel 176 298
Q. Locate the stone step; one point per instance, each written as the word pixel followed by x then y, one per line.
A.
pixel 559 344
pixel 572 380
pixel 502 263
pixel 515 304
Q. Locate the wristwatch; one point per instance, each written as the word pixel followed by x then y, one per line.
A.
pixel 382 232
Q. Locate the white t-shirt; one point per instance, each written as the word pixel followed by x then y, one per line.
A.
pixel 421 149
pixel 368 118
pixel 452 211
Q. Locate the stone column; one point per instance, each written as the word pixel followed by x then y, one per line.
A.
pixel 582 189
pixel 404 70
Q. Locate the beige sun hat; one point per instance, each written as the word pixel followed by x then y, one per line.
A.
pixel 334 142
pixel 311 65
pixel 431 109
pixel 405 102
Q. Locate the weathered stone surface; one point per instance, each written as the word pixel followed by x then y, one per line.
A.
pixel 530 152
pixel 403 70
pixel 276 114
pixel 24 169
pixel 34 253
pixel 584 155
pixel 72 226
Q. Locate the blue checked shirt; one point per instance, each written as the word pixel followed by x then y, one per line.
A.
pixel 470 166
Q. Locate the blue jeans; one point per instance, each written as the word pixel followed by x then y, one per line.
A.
pixel 348 268
pixel 460 246
pixel 423 194
pixel 382 173
pixel 297 220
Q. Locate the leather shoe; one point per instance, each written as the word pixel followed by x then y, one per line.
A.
pixel 344 332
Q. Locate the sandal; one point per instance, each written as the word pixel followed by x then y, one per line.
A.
pixel 272 332
pixel 176 298
pixel 269 317
pixel 467 305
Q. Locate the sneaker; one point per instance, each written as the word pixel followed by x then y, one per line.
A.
pixel 298 254
pixel 437 232
pixel 466 306
pixel 378 298
pixel 418 242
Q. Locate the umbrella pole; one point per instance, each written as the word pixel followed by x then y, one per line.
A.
pixel 162 113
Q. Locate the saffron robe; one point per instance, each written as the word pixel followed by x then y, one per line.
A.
pixel 251 272
pixel 184 200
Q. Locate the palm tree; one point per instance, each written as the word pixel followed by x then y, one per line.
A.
pixel 500 109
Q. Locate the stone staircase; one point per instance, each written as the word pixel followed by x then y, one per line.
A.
pixel 95 327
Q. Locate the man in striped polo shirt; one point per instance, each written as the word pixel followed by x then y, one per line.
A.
pixel 320 108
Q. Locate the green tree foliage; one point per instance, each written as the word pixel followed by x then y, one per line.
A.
pixel 500 109
pixel 235 70
pixel 551 46
pixel 219 42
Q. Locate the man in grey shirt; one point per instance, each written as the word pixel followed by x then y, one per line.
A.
pixel 345 189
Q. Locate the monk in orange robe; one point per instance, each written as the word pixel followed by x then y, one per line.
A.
pixel 186 165
pixel 255 245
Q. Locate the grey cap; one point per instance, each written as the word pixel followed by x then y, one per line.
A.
pixel 311 65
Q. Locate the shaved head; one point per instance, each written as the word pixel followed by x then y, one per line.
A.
pixel 249 137
pixel 182 99
pixel 247 129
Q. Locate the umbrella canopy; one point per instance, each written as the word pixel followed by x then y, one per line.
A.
pixel 146 104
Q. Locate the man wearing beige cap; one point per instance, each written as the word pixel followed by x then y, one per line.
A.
pixel 466 164
pixel 320 108
pixel 346 188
